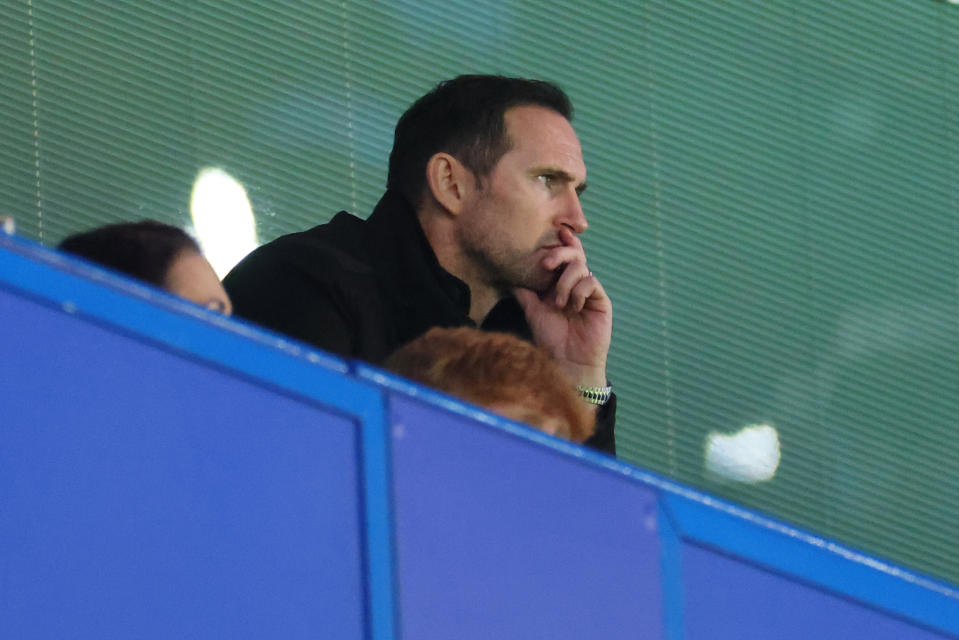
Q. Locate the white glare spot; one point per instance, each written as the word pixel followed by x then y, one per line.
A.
pixel 7 225
pixel 223 219
pixel 750 455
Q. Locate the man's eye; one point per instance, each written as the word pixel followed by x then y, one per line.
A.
pixel 548 180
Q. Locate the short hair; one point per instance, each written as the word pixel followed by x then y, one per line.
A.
pixel 144 250
pixel 490 368
pixel 463 117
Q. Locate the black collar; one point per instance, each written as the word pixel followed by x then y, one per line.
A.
pixel 403 259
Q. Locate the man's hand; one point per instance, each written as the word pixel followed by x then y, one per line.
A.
pixel 574 318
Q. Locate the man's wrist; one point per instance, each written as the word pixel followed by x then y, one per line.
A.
pixel 585 375
pixel 595 395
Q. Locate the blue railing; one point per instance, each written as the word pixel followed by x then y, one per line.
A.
pixel 167 472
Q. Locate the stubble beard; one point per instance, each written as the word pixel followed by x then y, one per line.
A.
pixel 506 271
pixel 503 268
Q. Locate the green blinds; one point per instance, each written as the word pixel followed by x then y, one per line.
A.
pixel 772 201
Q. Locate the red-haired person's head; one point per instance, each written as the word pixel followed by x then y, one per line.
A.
pixel 498 372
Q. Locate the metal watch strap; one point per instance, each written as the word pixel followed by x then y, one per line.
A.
pixel 595 395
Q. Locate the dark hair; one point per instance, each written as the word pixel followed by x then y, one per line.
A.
pixel 144 250
pixel 490 368
pixel 463 117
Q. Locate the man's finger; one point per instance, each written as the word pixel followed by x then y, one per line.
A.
pixel 581 292
pixel 573 273
pixel 598 300
pixel 570 239
pixel 559 256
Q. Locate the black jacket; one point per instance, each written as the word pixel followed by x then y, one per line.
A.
pixel 362 289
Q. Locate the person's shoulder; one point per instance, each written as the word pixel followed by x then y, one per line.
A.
pixel 336 246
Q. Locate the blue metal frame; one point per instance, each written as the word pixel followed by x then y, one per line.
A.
pixel 359 392
pixel 391 381
pixel 687 515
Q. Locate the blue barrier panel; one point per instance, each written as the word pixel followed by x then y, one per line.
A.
pixel 156 482
pixel 747 576
pixel 477 516
pixel 165 471
pixel 500 538
pixel 144 495
pixel 729 599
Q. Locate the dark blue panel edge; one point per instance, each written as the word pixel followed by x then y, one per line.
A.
pixel 672 576
pixel 378 510
pixel 77 286
pixel 797 554
pixel 392 382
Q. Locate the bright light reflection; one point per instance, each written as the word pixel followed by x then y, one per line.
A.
pixel 222 218
pixel 750 455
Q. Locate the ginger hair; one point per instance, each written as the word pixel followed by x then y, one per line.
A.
pixel 494 370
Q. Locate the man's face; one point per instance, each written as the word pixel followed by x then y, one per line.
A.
pixel 512 221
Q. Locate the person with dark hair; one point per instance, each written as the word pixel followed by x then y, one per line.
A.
pixel 498 372
pixel 156 253
pixel 479 227
pixel 463 117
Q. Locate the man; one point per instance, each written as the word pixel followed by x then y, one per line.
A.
pixel 479 227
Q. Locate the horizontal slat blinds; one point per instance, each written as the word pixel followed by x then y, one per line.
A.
pixel 805 185
pixel 18 145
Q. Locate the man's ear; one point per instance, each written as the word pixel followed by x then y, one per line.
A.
pixel 449 181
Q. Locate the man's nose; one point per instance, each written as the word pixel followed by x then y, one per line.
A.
pixel 573 216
